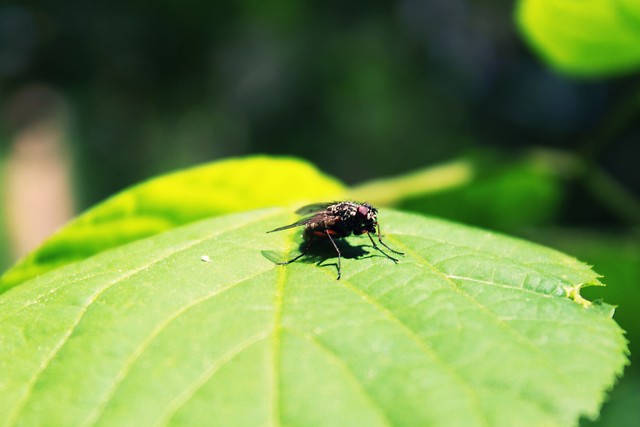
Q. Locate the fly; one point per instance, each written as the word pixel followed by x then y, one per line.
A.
pixel 334 221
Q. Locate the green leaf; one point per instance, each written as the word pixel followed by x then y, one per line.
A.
pixel 195 326
pixel 586 37
pixel 178 198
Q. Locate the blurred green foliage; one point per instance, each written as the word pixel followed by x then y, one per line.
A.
pixel 504 194
pixel 363 89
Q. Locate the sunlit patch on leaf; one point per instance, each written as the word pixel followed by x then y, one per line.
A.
pixel 162 203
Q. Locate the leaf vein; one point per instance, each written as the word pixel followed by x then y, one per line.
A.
pixel 497 319
pixel 534 265
pixel 179 401
pixel 13 417
pixel 137 353
pixel 426 348
pixel 350 374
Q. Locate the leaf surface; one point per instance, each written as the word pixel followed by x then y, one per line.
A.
pixel 469 328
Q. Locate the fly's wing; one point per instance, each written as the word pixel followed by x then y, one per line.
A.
pixel 314 208
pixel 298 223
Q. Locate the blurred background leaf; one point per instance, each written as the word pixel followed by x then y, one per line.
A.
pixel 587 37
pixel 489 189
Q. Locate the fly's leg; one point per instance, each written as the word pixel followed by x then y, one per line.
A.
pixel 337 251
pixel 383 244
pixel 381 251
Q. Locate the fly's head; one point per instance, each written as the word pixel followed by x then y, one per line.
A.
pixel 367 219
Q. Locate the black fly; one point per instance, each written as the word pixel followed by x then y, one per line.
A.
pixel 337 220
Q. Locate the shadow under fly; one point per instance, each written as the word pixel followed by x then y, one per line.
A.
pixel 331 221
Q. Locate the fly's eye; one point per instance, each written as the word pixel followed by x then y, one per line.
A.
pixel 363 210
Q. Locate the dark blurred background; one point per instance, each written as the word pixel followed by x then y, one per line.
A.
pixel 96 96
pixel 362 89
